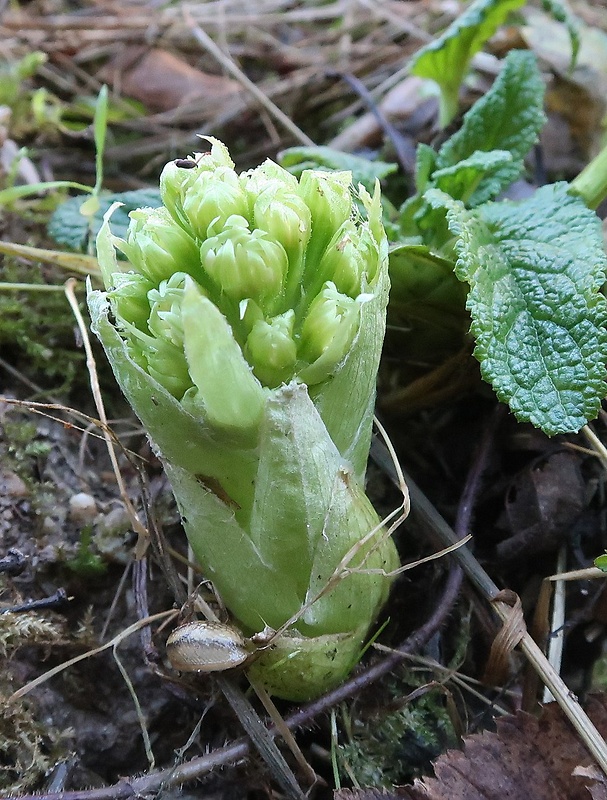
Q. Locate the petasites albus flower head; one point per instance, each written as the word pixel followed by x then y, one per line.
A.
pixel 245 329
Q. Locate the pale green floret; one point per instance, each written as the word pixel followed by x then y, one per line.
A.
pixel 129 298
pixel 212 199
pixel 157 247
pixel 286 218
pixel 225 389
pixel 328 196
pixel 348 259
pixel 245 264
pixel 327 333
pixel 271 350
pixel 176 182
pixel 165 310
pixel 351 260
pixel 268 175
pixel 163 360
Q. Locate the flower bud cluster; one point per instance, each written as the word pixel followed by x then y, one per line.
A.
pixel 288 264
pixel 246 331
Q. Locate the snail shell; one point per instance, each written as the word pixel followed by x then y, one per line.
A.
pixel 206 647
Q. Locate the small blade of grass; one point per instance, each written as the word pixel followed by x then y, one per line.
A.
pixel 8 196
pixel 100 131
pixel 71 262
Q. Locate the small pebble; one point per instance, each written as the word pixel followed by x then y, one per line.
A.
pixel 83 508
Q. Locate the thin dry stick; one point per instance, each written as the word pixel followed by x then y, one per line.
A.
pixel 283 730
pixel 557 633
pixel 261 737
pixel 228 64
pixel 597 445
pixel 112 642
pixel 70 286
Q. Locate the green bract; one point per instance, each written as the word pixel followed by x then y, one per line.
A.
pixel 245 330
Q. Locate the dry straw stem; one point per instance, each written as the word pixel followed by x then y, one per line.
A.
pixel 73 262
pixel 138 527
pixel 141 623
pixel 440 531
pixel 556 640
pixel 597 445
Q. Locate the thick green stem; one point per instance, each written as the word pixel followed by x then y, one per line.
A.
pixel 448 105
pixel 591 183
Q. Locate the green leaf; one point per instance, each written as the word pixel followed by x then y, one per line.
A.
pixel 100 131
pixel 563 14
pixel 601 562
pixel 508 117
pixel 424 284
pixel 427 303
pixel 298 159
pixel 425 163
pixel 446 59
pixel 69 227
pixel 535 270
pixel 227 390
pixel 475 179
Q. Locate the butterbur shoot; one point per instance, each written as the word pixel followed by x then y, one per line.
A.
pixel 245 329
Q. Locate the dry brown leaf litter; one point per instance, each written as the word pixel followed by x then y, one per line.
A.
pixel 527 757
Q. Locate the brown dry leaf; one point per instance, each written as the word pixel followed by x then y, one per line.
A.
pixel 526 757
pixel 544 502
pixel 599 790
pixel 162 81
pixel 365 794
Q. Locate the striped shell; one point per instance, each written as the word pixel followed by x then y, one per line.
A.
pixel 206 647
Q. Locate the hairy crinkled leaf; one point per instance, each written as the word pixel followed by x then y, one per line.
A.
pixel 445 60
pixel 509 117
pixel 475 178
pixel 485 156
pixel 298 159
pixel 425 163
pixel 71 228
pixel 535 269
